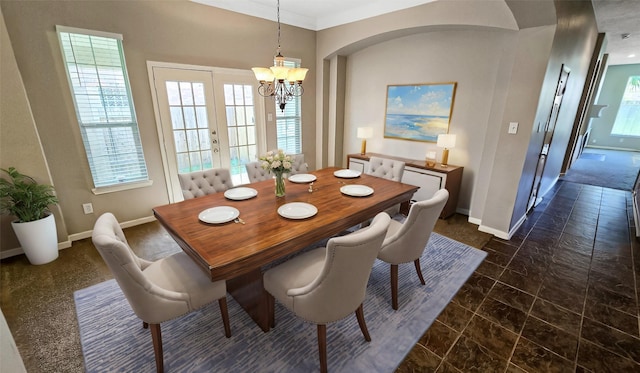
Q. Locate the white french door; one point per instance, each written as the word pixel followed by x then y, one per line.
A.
pixel 206 119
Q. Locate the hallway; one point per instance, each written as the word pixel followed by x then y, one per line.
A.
pixel 560 296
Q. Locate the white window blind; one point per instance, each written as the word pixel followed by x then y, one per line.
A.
pixel 627 121
pixel 289 122
pixel 99 84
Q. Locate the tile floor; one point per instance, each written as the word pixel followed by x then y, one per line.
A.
pixel 560 296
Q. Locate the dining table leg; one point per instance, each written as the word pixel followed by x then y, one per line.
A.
pixel 248 291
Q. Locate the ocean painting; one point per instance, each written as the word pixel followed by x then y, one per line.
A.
pixel 419 112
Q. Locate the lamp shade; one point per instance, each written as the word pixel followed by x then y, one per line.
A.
pixel 364 133
pixel 297 74
pixel 263 74
pixel 446 141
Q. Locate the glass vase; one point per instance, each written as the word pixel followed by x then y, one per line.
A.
pixel 279 185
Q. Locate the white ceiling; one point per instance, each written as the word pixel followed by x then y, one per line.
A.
pixel 614 17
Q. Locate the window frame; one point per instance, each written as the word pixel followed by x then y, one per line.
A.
pixel 634 132
pixel 290 62
pixel 129 120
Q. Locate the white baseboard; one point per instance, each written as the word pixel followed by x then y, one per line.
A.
pixel 495 232
pixel 475 221
pixel 77 236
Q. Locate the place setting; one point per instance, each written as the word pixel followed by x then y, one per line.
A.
pixel 347 173
pixel 240 193
pixel 220 215
pixel 297 210
pixel 356 190
pixel 302 178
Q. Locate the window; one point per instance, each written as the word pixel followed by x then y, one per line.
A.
pixel 289 122
pixel 628 118
pixel 99 84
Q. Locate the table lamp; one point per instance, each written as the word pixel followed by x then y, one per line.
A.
pixel 446 141
pixel 364 133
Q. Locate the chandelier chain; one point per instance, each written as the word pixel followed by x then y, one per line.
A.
pixel 278 15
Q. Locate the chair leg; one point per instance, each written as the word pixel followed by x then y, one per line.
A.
pixel 222 302
pixel 362 323
pixel 271 310
pixel 394 286
pixel 156 336
pixel 419 271
pixel 322 347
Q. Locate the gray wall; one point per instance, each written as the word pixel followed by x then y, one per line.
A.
pixel 20 145
pixel 168 31
pixel 610 94
pixel 506 58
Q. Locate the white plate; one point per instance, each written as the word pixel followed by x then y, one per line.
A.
pixel 302 178
pixel 297 210
pixel 220 214
pixel 240 193
pixel 356 190
pixel 347 173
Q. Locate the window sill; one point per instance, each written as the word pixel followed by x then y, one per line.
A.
pixel 122 187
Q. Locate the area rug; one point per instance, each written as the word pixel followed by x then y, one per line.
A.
pixel 113 339
pixel 605 168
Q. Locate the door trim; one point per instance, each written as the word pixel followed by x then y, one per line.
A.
pixel 258 103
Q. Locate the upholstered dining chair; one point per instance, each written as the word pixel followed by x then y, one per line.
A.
pixel 326 284
pixel 405 242
pixel 387 169
pixel 157 291
pixel 200 183
pixel 298 165
pixel 256 172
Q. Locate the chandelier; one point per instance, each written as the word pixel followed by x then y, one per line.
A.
pixel 280 82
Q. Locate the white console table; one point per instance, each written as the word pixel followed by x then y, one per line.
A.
pixel 429 179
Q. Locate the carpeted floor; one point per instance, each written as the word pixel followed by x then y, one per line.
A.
pixel 113 339
pixel 606 168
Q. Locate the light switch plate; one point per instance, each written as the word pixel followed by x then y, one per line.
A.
pixel 513 127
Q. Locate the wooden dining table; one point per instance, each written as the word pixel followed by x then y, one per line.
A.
pixel 237 251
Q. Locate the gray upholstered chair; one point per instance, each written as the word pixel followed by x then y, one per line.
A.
pixel 326 284
pixel 386 169
pixel 298 165
pixel 405 242
pixel 200 183
pixel 157 291
pixel 256 172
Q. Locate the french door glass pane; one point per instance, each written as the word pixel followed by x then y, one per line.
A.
pixel 241 128
pixel 187 105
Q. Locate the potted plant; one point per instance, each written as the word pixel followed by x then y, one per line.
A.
pixel 35 227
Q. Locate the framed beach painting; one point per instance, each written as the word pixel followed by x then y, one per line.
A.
pixel 419 112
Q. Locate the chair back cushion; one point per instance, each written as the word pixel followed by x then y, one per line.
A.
pixel 256 172
pixel 341 285
pixel 298 165
pixel 386 168
pixel 406 241
pixel 148 301
pixel 200 183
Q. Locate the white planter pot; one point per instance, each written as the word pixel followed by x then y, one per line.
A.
pixel 38 239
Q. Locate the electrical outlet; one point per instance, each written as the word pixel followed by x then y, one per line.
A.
pixel 88 208
pixel 513 128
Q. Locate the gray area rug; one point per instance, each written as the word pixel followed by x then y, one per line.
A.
pixel 605 168
pixel 113 339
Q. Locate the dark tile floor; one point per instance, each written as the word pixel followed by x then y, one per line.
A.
pixel 560 296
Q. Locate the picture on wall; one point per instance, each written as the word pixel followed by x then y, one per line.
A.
pixel 419 112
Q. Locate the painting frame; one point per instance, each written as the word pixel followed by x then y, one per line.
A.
pixel 419 112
